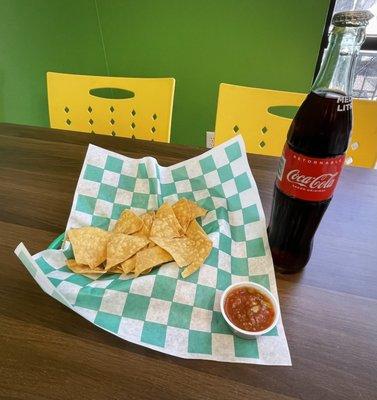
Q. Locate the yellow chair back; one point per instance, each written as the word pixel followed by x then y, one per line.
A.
pixel 244 110
pixel 147 115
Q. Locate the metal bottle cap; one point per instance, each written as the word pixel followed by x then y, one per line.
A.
pixel 352 18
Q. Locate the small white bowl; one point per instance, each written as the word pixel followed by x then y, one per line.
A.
pixel 238 331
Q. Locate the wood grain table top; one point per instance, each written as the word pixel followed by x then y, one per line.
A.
pixel 49 352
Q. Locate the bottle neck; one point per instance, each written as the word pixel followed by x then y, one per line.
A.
pixel 336 75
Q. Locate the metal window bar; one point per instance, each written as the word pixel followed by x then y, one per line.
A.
pixel 365 85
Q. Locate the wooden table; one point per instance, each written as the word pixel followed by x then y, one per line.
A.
pixel 49 352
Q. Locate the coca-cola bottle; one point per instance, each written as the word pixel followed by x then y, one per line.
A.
pixel 314 152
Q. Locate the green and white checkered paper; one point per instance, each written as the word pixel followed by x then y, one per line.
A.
pixel 161 310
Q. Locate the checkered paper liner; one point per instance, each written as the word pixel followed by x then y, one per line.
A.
pixel 162 310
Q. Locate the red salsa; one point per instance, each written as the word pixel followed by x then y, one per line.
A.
pixel 249 309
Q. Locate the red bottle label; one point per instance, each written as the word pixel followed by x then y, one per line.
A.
pixel 308 178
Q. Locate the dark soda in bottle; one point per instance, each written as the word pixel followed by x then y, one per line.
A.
pixel 314 152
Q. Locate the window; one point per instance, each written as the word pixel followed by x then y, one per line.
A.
pixel 365 85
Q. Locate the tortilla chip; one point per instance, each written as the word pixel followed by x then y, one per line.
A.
pixel 186 211
pixel 83 269
pixel 140 243
pixel 195 231
pixel 147 271
pixel 165 223
pixel 148 258
pixel 182 249
pixel 128 223
pixel 128 266
pixel 89 245
pixel 116 269
pixel 147 221
pixel 203 246
pixel 121 247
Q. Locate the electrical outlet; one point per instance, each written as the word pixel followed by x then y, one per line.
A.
pixel 210 139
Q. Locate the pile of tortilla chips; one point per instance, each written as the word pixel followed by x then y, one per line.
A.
pixel 139 243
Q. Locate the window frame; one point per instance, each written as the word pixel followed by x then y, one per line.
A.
pixel 370 43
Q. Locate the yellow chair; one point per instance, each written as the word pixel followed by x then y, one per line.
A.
pixel 74 105
pixel 244 110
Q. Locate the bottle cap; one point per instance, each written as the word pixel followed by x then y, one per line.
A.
pixel 352 18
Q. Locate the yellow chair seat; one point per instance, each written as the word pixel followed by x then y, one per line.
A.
pixel 244 110
pixel 146 115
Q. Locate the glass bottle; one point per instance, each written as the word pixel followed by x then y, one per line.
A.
pixel 314 152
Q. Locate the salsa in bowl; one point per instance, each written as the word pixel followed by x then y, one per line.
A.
pixel 249 309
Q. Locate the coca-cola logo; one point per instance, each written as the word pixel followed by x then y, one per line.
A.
pixel 323 181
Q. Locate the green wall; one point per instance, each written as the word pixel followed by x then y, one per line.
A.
pixel 37 36
pixel 271 44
